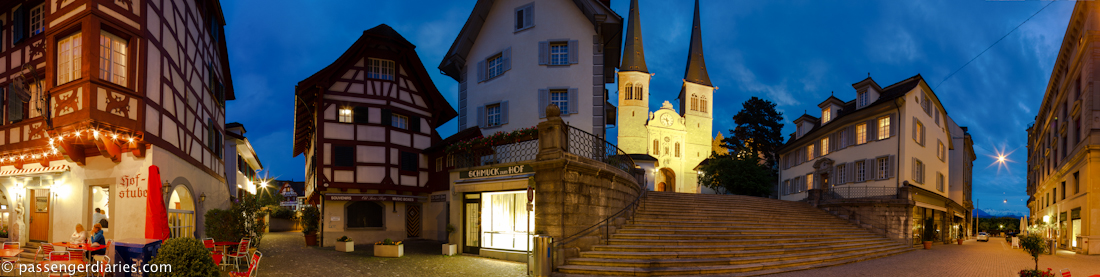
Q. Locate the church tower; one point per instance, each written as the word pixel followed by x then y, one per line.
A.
pixel 696 99
pixel 634 88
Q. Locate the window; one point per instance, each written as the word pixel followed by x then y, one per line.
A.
pixel 638 92
pixel 359 115
pixel 68 59
pixel 862 99
pixel 1054 200
pixel 409 161
pixel 37 17
pixel 560 98
pixel 345 115
pixel 343 156
pixel 217 90
pixel 786 187
pixel 628 93
pixel 809 182
pixel 826 114
pixel 918 171
pixel 525 17
pixel 861 133
pixel 559 53
pixel 883 168
pixel 939 181
pixel 504 220
pixel 809 152
pixel 694 102
pixel 841 171
pixel 703 104
pixel 439 164
pixel 402 122
pixel 918 132
pixel 112 58
pixel 1063 190
pixel 824 146
pixel 861 170
pixel 656 148
pixel 842 139
pixel 362 214
pixel 1076 182
pixel 380 69
pixel 884 127
pixel 496 66
pixel 677 149
pixel 941 152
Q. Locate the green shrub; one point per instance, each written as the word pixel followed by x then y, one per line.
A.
pixel 223 225
pixel 344 239
pixel 1034 244
pixel 281 212
pixel 188 258
pixel 311 219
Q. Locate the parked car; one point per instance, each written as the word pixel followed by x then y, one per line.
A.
pixel 982 236
pixel 1009 236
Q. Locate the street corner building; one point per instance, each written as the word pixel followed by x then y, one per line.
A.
pixel 94 93
pixel 892 157
pixel 364 123
pixel 1063 142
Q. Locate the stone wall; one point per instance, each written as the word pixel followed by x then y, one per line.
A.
pixel 888 217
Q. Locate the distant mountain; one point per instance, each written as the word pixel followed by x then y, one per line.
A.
pixel 997 213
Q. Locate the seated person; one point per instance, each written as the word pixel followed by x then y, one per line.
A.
pixel 79 236
pixel 97 239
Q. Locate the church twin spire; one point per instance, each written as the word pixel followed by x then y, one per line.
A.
pixel 696 71
pixel 634 55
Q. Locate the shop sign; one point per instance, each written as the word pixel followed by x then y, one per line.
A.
pixel 132 186
pixel 439 198
pixel 369 197
pixel 496 171
pixel 288 203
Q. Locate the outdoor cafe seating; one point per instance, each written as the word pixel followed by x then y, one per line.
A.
pixel 251 267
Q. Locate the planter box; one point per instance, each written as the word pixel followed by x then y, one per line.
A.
pixel 346 246
pixel 450 249
pixel 392 251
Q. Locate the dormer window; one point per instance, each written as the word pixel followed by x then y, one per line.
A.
pixel 861 99
pixel 826 114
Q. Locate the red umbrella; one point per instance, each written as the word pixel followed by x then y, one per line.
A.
pixel 156 215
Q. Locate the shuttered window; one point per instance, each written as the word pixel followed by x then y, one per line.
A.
pixel 343 155
pixel 359 115
pixel 37 17
pixel 861 133
pixel 884 127
pixel 408 161
pixel 525 17
pixel 558 52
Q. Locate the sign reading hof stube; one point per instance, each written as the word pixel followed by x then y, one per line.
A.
pixel 369 197
pixel 496 171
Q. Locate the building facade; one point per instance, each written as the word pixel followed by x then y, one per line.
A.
pixel 513 58
pixel 678 141
pixel 886 142
pixel 363 124
pixel 244 164
pixel 1062 142
pixel 97 92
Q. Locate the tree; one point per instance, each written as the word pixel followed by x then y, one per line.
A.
pixel 1034 244
pixel 738 174
pixel 759 131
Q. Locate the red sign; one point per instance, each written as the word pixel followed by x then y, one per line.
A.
pixel 132 187
pixel 369 197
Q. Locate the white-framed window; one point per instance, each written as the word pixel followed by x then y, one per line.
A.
pixel 495 66
pixel 918 132
pixel 345 115
pixel 824 146
pixel 884 127
pixel 559 53
pixel 525 17
pixel 112 58
pixel 810 152
pixel 918 171
pixel 940 150
pixel 560 98
pixel 826 114
pixel 841 171
pixel 939 181
pixel 37 17
pixel 862 99
pixel 380 69
pixel 68 58
pixel 883 168
pixel 400 121
pixel 861 133
pixel 861 170
pixel 492 115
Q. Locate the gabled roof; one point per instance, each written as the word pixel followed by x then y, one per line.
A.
pixel 603 19
pixel 382 36
pixel 462 135
pixel 696 71
pixel 633 52
pixel 831 99
pixel 887 95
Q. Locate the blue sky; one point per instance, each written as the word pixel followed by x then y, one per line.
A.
pixel 794 53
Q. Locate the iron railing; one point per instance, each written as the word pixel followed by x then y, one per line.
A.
pixel 585 144
pixel 181 223
pixel 519 151
pixel 860 192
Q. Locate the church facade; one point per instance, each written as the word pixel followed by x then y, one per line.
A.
pixel 676 140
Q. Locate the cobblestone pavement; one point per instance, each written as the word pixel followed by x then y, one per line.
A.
pixel 285 254
pixel 973 258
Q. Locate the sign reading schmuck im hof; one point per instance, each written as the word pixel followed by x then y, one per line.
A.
pixel 496 171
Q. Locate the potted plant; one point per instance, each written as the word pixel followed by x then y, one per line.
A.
pixel 311 218
pixel 1033 244
pixel 927 237
pixel 1036 273
pixel 345 244
pixel 389 248
pixel 959 238
pixel 450 248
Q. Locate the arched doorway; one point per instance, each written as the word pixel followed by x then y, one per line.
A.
pixel 668 179
pixel 181 213
pixel 661 186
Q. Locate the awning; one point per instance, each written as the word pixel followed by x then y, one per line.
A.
pixel 42 170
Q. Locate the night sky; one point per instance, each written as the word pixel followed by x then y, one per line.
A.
pixel 793 53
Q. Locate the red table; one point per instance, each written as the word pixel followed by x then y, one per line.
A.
pixel 220 258
pixel 88 248
pixel 10 253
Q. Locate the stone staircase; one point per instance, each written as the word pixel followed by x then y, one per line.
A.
pixel 728 235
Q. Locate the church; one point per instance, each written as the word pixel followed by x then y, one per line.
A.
pixel 675 142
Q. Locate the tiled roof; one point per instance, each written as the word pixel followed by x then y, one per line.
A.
pixel 888 94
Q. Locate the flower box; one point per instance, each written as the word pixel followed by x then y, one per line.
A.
pixel 345 246
pixel 450 249
pixel 392 251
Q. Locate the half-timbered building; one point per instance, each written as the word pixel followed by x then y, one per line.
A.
pixel 95 92
pixel 363 124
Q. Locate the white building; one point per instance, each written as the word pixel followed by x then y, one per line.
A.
pixel 514 57
pixel 678 141
pixel 242 169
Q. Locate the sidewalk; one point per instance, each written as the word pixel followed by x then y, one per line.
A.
pixel 285 254
pixel 994 258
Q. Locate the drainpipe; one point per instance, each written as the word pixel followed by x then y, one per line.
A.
pixel 897 179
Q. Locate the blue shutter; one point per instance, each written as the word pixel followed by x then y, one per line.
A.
pixel 529 13
pixel 504 112
pixel 572 51
pixel 544 100
pixel 544 52
pixel 481 71
pixel 572 101
pixel 481 116
pixel 507 56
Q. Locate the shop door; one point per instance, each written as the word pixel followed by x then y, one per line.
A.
pixel 412 220
pixel 472 226
pixel 39 229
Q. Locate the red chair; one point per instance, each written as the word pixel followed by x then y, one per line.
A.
pixel 43 251
pixel 251 267
pixel 241 254
pixel 77 255
pixel 1065 272
pixel 57 256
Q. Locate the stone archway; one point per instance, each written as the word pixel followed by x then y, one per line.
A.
pixel 668 178
pixel 823 169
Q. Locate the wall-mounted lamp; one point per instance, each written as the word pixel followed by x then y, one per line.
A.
pixel 202 197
